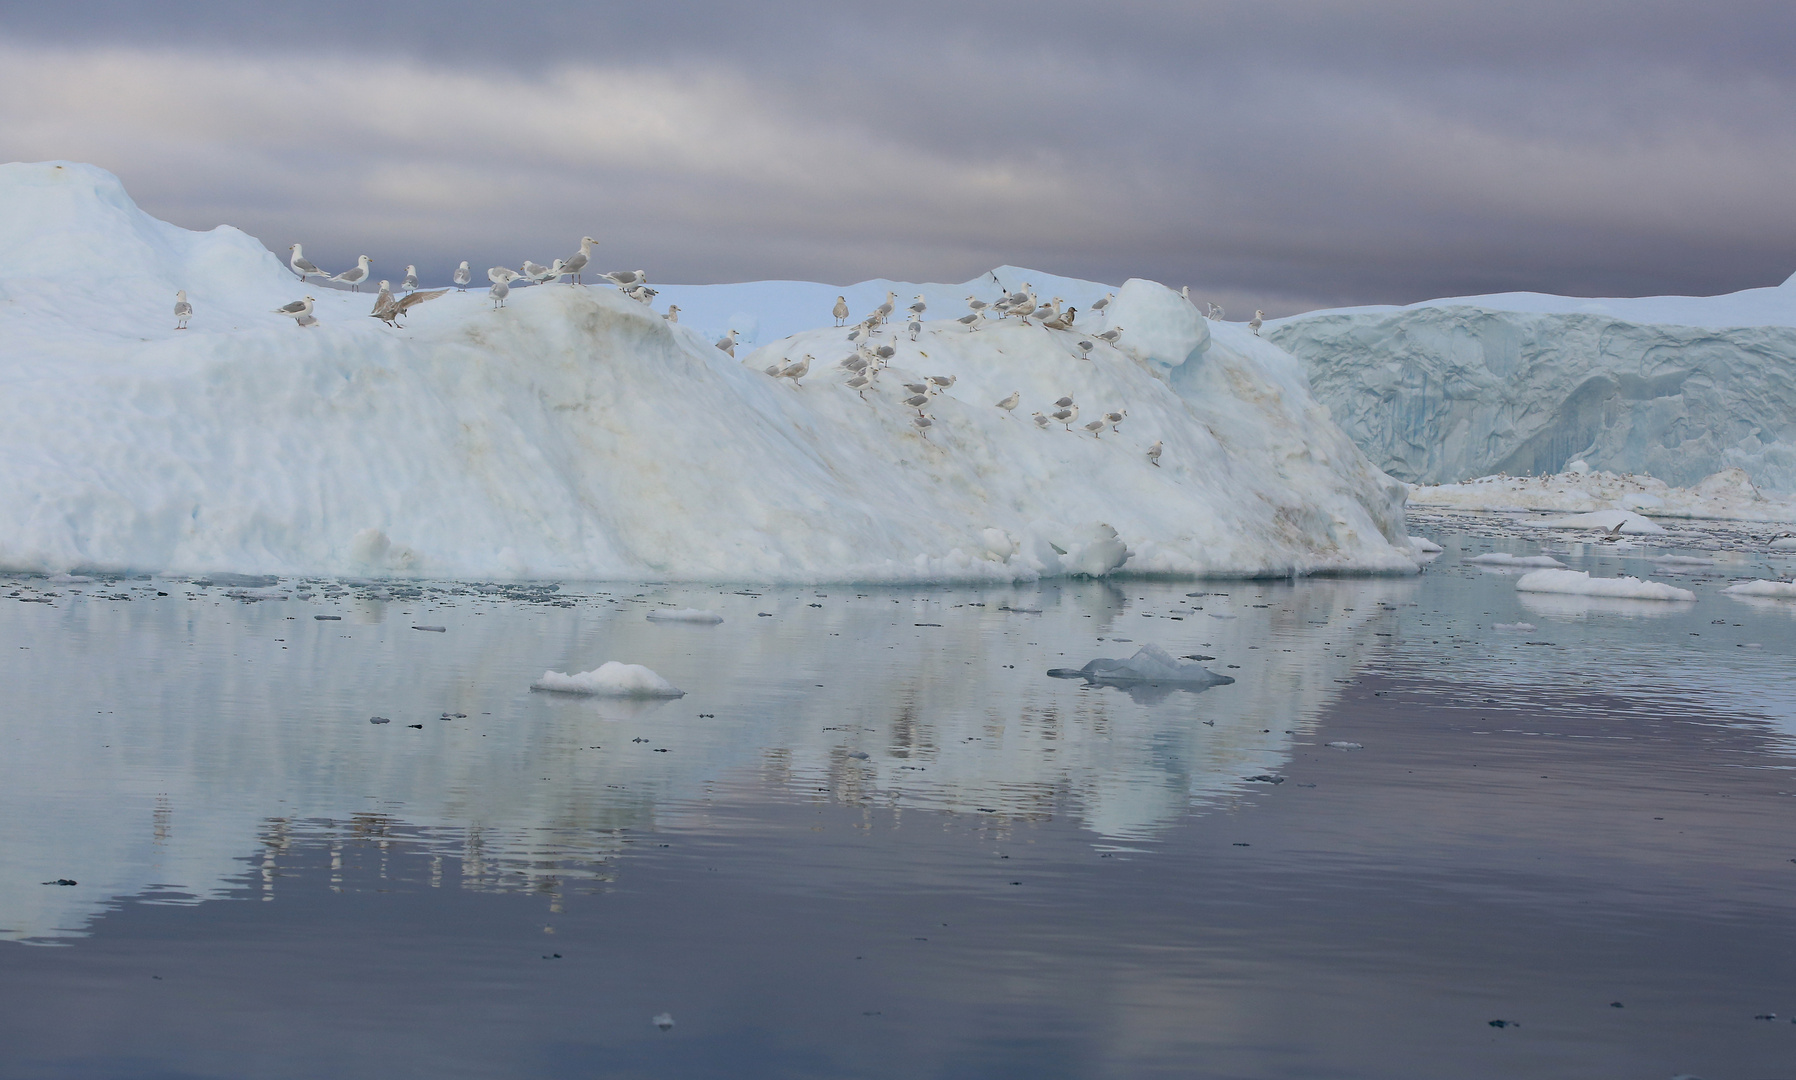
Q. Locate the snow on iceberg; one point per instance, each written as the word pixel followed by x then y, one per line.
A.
pixel 1782 590
pixel 577 434
pixel 1580 583
pixel 610 679
pixel 687 615
pixel 1673 387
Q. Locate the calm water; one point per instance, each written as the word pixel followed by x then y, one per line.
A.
pixel 875 840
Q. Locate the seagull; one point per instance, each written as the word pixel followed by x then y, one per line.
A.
pixel 183 310
pixel 1094 427
pixel 302 265
pixel 840 311
pixel 1115 418
pixel 1062 321
pixel 728 343
pixel 1112 334
pixel 858 384
pixel 942 382
pixel 1009 404
pixel 1085 347
pixel 384 308
pixel 886 308
pixel 1153 454
pixel 573 264
pixel 919 306
pixel 355 275
pixel 772 370
pixel 923 424
pixel 1215 313
pixel 462 276
pixel 1254 323
pixel 1049 310
pixel 300 311
pixel 410 283
pixel 641 293
pixel 917 401
pixel 536 272
pixel 1065 402
pixel 915 327
pixel 971 322
pixel 1186 293
pixel 886 352
pixel 855 364
pixel 625 278
pixel 976 304
pixel 500 290
pixel 413 299
pixel 797 371
pixel 1040 420
pixel 1066 416
pixel 1104 303
pixel 673 313
pixel 917 387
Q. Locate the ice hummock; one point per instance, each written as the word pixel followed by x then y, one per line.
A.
pixel 1504 559
pixel 1580 583
pixel 577 434
pixel 610 679
pixel 1150 666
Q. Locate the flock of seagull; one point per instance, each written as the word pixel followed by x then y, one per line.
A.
pixel 871 357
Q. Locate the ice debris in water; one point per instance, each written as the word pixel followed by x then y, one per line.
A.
pixel 1150 665
pixel 1498 558
pixel 1515 626
pixel 610 679
pixel 664 1021
pixel 1580 583
pixel 1621 521
pixel 1783 590
pixel 1347 745
pixel 691 615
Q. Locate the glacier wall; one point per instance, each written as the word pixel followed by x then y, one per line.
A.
pixel 575 433
pixel 1677 388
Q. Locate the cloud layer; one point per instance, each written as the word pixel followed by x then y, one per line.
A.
pixel 1278 155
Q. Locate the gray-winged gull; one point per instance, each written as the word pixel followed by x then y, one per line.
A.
pixel 462 276
pixel 1009 404
pixel 410 282
pixel 355 275
pixel 1100 305
pixel 183 310
pixel 1115 418
pixel 300 311
pixel 797 371
pixel 575 263
pixel 1112 334
pixel 1066 416
pixel 728 343
pixel 1254 323
pixel 302 265
pixel 1096 428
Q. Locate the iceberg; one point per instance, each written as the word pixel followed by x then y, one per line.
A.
pixel 1504 559
pixel 1580 583
pixel 1728 495
pixel 1782 590
pixel 1150 666
pixel 1673 387
pixel 610 679
pixel 575 433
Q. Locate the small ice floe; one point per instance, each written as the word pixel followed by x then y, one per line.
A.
pixel 1782 590
pixel 1499 558
pixel 1580 583
pixel 1624 522
pixel 1523 626
pixel 1151 666
pixel 1682 560
pixel 1346 746
pixel 688 615
pixel 379 720
pixel 664 1021
pixel 1426 547
pixel 610 679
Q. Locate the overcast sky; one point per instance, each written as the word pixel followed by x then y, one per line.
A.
pixel 1283 155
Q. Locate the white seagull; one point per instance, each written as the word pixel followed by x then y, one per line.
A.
pixel 355 275
pixel 573 264
pixel 1009 404
pixel 1096 427
pixel 501 277
pixel 673 313
pixel 915 327
pixel 623 279
pixel 410 282
pixel 300 311
pixel 1115 418
pixel 1066 416
pixel 183 310
pixel 976 304
pixel 1104 303
pixel 1085 348
pixel 302 265
pixel 1153 454
pixel 971 322
pixel 462 276
pixel 797 371
pixel 1112 334
pixel 942 382
pixel 537 273
pixel 918 306
pixel 1254 323
pixel 886 308
pixel 728 343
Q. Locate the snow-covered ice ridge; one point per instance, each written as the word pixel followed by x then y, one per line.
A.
pixel 575 433
pixel 1728 495
pixel 1675 387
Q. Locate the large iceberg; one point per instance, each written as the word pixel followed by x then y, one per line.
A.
pixel 576 433
pixel 1673 387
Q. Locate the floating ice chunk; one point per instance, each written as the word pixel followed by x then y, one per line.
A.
pixel 664 1021
pixel 1342 745
pixel 1606 520
pixel 1580 583
pixel 1499 558
pixel 610 679
pixel 1150 665
pixel 1426 547
pixel 1783 590
pixel 1524 626
pixel 691 615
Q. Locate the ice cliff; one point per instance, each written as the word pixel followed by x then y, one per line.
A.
pixel 1678 388
pixel 575 433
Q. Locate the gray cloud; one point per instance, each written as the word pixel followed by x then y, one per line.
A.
pixel 1280 155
